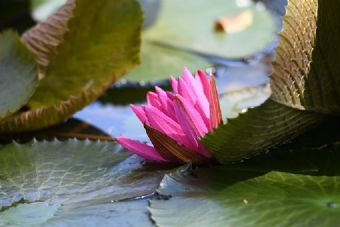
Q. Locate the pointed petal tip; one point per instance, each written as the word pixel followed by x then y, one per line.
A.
pixel 139 112
pixel 174 84
pixel 215 108
pixel 141 149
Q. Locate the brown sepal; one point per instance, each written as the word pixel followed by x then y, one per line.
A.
pixel 215 109
pixel 171 150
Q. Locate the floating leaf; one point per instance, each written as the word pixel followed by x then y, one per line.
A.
pixel 70 129
pixel 160 62
pixel 18 74
pixel 73 183
pixel 254 195
pixel 96 50
pixel 306 72
pixel 178 26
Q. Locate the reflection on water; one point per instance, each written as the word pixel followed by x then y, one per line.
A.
pixel 114 120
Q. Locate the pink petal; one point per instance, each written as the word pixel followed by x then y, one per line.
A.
pixel 185 91
pixel 139 113
pixel 166 102
pixel 191 123
pixel 152 99
pixel 161 122
pixel 191 115
pixel 141 149
pixel 205 83
pixel 189 78
pixel 199 99
pixel 174 84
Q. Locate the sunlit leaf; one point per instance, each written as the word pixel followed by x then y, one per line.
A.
pixel 190 25
pixel 306 72
pixel 95 51
pixel 18 74
pixel 73 183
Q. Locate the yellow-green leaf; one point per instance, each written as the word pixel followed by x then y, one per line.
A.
pixel 18 74
pixel 98 42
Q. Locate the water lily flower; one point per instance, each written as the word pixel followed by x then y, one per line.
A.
pixel 175 121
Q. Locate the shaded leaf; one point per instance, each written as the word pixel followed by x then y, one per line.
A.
pixel 70 129
pixel 137 94
pixel 255 194
pixel 97 50
pixel 257 130
pixel 73 183
pixel 177 26
pixel 18 74
pixel 306 72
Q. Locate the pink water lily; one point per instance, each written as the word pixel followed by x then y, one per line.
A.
pixel 175 121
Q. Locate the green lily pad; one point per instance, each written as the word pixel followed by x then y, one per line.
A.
pixel 279 192
pixel 160 62
pixel 73 183
pixel 82 49
pixel 190 25
pixel 275 199
pixel 18 74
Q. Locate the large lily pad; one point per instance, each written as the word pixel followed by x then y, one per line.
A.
pixel 160 62
pixel 297 190
pixel 73 183
pixel 190 25
pixel 18 74
pixel 83 48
